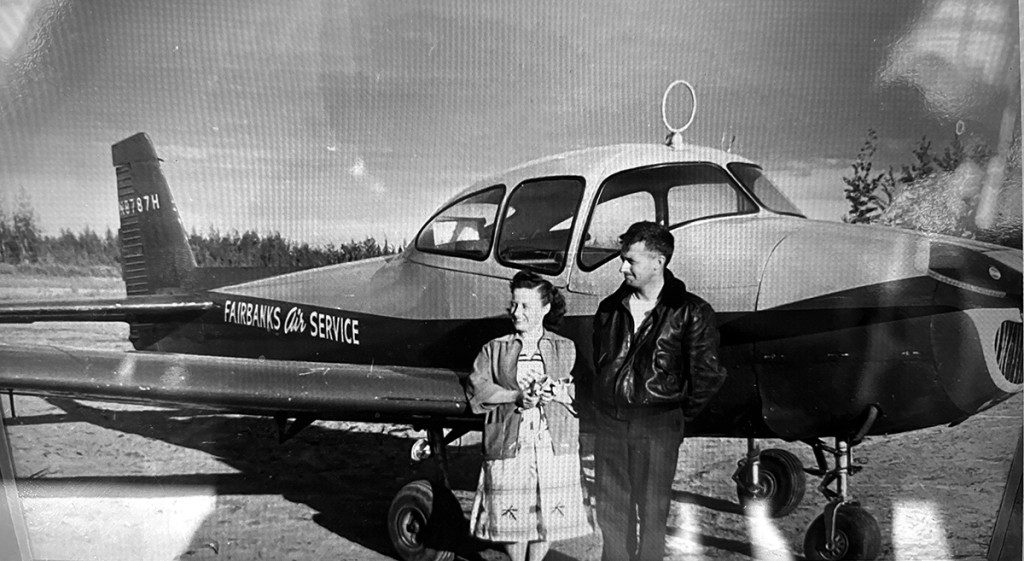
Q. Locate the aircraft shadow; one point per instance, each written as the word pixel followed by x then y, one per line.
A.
pixel 721 505
pixel 328 470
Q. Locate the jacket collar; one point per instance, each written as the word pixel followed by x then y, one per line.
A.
pixel 509 360
pixel 545 336
pixel 671 294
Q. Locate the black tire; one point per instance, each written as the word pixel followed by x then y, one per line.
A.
pixel 782 479
pixel 857 536
pixel 408 520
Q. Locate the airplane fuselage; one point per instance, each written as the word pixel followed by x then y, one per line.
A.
pixel 918 348
pixel 827 329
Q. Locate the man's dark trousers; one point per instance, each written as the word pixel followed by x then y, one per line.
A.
pixel 635 456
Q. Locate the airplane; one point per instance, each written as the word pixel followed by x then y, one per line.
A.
pixel 828 330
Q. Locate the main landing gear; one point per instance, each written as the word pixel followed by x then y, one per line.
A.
pixel 425 521
pixel 775 477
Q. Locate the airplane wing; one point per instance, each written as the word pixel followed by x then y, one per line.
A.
pixel 328 391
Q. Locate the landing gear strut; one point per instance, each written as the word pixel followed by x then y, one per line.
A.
pixel 845 530
pixel 425 521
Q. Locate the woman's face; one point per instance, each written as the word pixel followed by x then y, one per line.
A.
pixel 528 310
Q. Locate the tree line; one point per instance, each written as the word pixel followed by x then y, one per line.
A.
pixel 249 249
pixel 938 191
pixel 22 243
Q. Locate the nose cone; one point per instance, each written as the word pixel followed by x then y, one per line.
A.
pixel 977 336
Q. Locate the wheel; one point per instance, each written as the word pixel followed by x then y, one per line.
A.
pixel 856 537
pixel 408 520
pixel 782 483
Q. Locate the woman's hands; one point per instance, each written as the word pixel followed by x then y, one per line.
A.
pixel 544 391
pixel 528 399
pixel 563 391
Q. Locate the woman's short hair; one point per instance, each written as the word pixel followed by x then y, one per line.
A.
pixel 548 295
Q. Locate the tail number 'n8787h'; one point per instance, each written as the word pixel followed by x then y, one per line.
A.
pixel 816 348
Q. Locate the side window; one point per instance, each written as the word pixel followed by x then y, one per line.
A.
pixel 690 202
pixel 537 225
pixel 611 217
pixel 464 229
pixel 704 191
pixel 670 194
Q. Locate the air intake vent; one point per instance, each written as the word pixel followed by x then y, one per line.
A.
pixel 1008 351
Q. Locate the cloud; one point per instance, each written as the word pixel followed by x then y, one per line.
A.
pixel 957 55
pixel 13 16
pixel 358 168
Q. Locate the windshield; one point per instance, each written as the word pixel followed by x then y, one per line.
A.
pixel 464 229
pixel 763 189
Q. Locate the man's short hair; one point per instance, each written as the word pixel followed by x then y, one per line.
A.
pixel 655 236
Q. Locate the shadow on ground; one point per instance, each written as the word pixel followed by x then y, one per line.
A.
pixel 348 477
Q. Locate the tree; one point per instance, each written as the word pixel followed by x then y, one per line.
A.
pixel 868 195
pixel 925 164
pixel 26 232
pixel 940 194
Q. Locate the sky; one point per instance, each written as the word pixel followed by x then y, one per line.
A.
pixel 329 121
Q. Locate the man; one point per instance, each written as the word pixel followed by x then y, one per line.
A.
pixel 656 365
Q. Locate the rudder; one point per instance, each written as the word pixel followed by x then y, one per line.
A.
pixel 156 258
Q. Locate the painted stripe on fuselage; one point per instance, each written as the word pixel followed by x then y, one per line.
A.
pixel 806 369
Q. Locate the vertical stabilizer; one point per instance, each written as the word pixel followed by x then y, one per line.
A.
pixel 154 249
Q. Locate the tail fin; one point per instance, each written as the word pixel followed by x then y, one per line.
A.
pixel 156 258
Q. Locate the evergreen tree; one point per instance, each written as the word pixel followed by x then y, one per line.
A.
pixel 868 195
pixel 26 232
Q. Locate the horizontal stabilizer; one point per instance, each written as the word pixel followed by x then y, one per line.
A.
pixel 326 391
pixel 134 309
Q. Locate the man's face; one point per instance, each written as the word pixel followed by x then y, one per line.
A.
pixel 640 265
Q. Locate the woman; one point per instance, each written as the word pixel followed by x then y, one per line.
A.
pixel 530 490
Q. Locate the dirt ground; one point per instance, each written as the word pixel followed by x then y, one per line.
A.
pixel 113 481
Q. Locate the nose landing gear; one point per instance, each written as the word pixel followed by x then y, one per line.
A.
pixel 845 530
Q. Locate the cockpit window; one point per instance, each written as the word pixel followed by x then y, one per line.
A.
pixel 537 225
pixel 464 229
pixel 763 189
pixel 673 195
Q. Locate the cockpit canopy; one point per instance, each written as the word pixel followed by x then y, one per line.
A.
pixel 533 230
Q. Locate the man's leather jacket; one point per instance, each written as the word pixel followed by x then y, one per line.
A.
pixel 671 360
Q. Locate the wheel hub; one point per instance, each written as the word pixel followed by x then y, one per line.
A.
pixel 838 548
pixel 410 524
pixel 765 488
